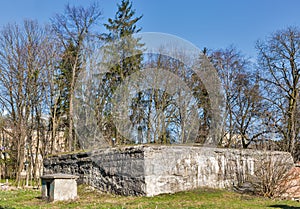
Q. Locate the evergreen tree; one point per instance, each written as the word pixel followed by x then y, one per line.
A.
pixel 122 57
pixel 124 23
pixel 125 52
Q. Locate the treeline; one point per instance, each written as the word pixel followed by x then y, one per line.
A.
pixel 41 66
pixel 262 98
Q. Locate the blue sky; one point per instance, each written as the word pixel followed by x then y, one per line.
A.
pixel 206 23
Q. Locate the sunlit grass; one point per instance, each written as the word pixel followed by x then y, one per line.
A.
pixel 89 198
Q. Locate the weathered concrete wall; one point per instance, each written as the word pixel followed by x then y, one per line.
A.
pixel 119 171
pixel 178 168
pixel 152 170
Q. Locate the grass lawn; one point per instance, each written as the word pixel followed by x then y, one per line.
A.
pixel 200 198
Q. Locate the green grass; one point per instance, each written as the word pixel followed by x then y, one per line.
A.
pixel 200 198
pixel 10 181
pixel 22 182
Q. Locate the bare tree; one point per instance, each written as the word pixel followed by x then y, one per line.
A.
pixel 22 83
pixel 279 57
pixel 73 29
pixel 243 98
pixel 174 107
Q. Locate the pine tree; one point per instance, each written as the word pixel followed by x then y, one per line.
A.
pixel 123 53
pixel 124 23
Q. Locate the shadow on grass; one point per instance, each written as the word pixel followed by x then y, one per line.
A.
pixel 6 207
pixel 284 207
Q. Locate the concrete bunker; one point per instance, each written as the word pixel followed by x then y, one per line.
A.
pixel 146 170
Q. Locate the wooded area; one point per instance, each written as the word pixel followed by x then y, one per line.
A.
pixel 40 66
